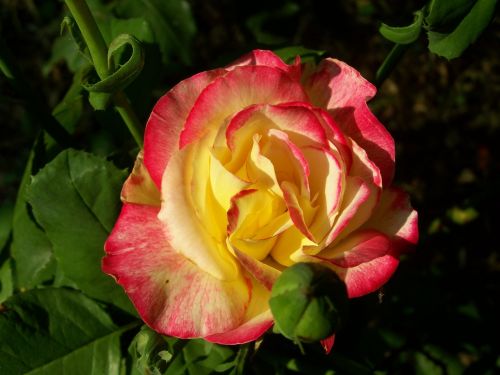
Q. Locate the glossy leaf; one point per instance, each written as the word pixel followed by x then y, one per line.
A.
pixel 445 12
pixel 199 357
pixel 403 35
pixel 453 44
pixel 149 353
pixel 30 247
pixel 172 24
pixel 6 280
pixel 65 49
pixel 69 110
pixel 6 212
pixel 76 200
pixel 70 334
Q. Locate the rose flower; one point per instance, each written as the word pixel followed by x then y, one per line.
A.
pixel 245 171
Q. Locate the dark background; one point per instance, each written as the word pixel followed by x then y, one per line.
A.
pixel 439 313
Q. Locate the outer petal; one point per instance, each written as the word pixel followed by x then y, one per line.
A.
pixel 139 187
pixel 238 89
pixel 369 276
pixel 327 344
pixel 360 247
pixel 262 272
pixel 171 294
pixel 344 92
pixel 395 217
pixel 249 331
pixel 161 138
pixel 268 58
pixel 358 202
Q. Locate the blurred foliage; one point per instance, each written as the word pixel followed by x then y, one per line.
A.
pixel 437 315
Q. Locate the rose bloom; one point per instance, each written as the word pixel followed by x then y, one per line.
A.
pixel 245 171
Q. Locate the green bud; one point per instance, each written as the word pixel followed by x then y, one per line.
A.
pixel 308 302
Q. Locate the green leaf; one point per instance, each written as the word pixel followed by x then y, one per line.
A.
pixel 149 352
pixel 6 212
pixel 70 109
pixel 288 54
pixel 403 35
pixel 171 21
pixel 453 44
pixel 30 247
pixel 426 366
pixel 136 26
pixel 58 331
pixel 69 24
pixel 65 49
pixel 199 357
pixel 6 280
pixel 445 12
pixel 76 200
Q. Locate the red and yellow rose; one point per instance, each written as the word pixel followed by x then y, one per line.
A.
pixel 245 171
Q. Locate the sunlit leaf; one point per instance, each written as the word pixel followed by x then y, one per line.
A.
pixel 445 12
pixel 149 352
pixel 57 331
pixel 453 44
pixel 6 280
pixel 30 247
pixel 6 211
pixel 76 199
pixel 403 35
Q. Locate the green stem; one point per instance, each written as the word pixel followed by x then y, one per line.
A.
pixel 93 37
pixel 390 62
pixel 99 53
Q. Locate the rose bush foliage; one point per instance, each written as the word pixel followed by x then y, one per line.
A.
pixel 245 171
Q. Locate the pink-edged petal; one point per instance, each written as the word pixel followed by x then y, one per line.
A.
pixel 325 179
pixel 239 120
pixel 268 58
pixel 330 128
pixel 395 217
pixel 369 276
pixel 238 89
pixel 363 167
pixel 335 135
pixel 288 159
pixel 247 332
pixel 299 122
pixel 327 344
pixel 139 187
pixel 358 202
pixel 258 318
pixel 359 247
pixel 233 214
pixel 262 272
pixel 161 137
pixel 296 209
pixel 172 295
pixel 342 90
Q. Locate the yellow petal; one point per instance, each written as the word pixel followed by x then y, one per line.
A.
pixel 139 187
